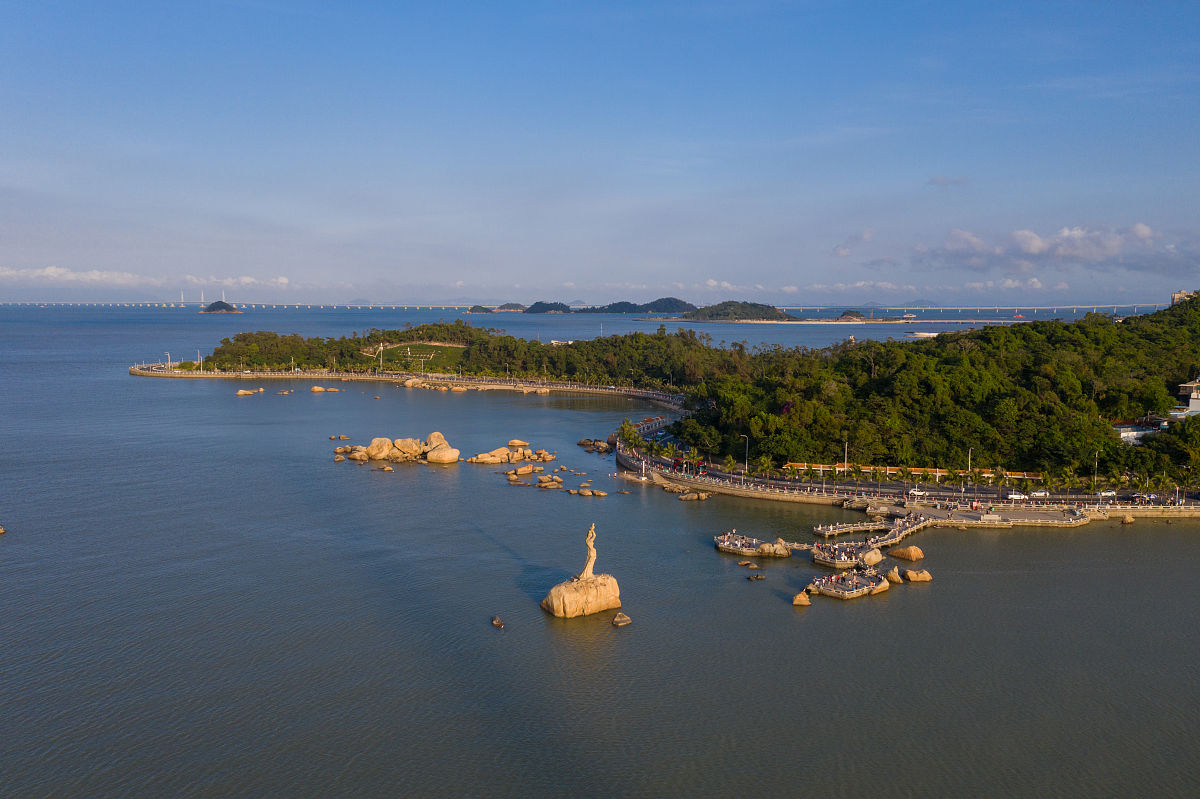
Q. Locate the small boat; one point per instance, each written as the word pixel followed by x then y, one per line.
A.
pixel 1018 316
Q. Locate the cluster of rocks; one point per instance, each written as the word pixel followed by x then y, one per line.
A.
pixel 250 392
pixel 434 449
pixel 893 577
pixel 515 452
pixel 686 495
pixel 323 389
pixel 596 445
pixel 416 382
pixel 550 481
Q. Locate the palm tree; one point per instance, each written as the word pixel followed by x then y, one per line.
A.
pixel 976 479
pixel 808 474
pixel 1000 477
pixel 856 474
pixel 692 457
pixel 877 476
pixel 728 465
pixel 1069 479
pixel 905 474
pixel 763 466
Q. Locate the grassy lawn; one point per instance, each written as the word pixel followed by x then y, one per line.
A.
pixel 436 357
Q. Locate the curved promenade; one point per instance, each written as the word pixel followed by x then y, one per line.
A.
pixel 1068 512
pixel 673 401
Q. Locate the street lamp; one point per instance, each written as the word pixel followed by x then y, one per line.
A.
pixel 747 469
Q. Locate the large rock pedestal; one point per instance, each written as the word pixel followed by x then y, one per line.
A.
pixel 582 596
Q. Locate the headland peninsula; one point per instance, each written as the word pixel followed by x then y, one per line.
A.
pixel 1043 396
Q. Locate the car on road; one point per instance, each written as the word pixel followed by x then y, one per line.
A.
pixel 1040 493
pixel 1108 492
pixel 916 492
pixel 1016 495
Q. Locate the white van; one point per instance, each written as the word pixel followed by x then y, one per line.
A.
pixel 1016 495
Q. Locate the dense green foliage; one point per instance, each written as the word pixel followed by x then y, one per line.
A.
pixel 479 309
pixel 732 311
pixel 511 306
pixel 1035 396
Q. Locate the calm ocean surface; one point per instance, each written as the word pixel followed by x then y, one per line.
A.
pixel 198 602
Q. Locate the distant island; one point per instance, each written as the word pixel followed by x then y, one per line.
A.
pixel 661 305
pixel 734 311
pixel 548 307
pixel 220 306
pixel 511 306
pixel 478 309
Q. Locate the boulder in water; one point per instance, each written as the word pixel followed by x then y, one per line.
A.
pixel 801 600
pixel 881 586
pixel 442 454
pixel 894 575
pixel 409 446
pixel 774 549
pixel 585 594
pixel 907 553
pixel 917 575
pixel 871 557
pixel 620 620
pixel 379 448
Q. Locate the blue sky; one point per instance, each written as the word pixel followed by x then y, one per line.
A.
pixel 788 152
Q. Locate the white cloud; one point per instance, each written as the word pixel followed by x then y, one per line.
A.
pixel 1143 231
pixel 1138 248
pixel 964 241
pixel 1029 242
pixel 91 277
pixel 790 289
pixel 107 278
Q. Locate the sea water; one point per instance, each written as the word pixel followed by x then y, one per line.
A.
pixel 198 602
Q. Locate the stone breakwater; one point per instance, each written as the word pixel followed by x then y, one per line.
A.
pixel 433 381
